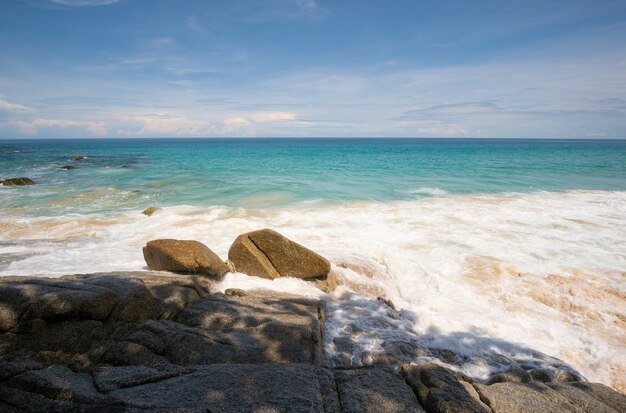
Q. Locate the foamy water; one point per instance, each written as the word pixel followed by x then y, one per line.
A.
pixel 489 277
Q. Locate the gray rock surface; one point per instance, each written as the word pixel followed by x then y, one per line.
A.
pixel 440 390
pixel 160 342
pixel 376 390
pixel 534 397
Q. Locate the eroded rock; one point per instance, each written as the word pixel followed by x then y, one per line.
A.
pixel 268 254
pixel 440 391
pixel 183 256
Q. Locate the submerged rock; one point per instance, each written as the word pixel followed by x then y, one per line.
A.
pixel 17 182
pixel 150 211
pixel 80 158
pixel 183 256
pixel 268 254
pixel 68 167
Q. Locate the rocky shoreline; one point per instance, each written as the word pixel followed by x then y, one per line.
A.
pixel 159 341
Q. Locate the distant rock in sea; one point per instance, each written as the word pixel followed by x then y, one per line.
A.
pixel 149 211
pixel 17 182
pixel 80 158
pixel 68 167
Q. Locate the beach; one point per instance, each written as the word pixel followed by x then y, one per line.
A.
pixel 494 257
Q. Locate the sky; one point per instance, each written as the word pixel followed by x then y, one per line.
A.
pixel 312 68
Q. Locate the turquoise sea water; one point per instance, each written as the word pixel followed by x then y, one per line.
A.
pixel 275 172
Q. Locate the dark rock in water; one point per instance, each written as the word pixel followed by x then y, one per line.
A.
pixel 18 182
pixel 375 390
pixel 68 167
pixel 80 158
pixel 188 257
pixel 440 391
pixel 135 191
pixel 149 211
pixel 268 254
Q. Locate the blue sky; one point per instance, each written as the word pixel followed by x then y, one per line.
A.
pixel 165 68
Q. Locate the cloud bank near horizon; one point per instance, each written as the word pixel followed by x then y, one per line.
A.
pixel 305 68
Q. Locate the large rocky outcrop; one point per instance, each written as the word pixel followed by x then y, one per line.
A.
pixel 17 182
pixel 182 256
pixel 160 342
pixel 268 254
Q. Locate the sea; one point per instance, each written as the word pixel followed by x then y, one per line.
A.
pixel 495 252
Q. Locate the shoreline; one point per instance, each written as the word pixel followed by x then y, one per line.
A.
pixel 155 339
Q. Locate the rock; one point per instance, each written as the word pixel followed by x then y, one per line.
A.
pixel 56 383
pixel 440 391
pixel 189 257
pixel 268 254
pixel 23 300
pixel 584 399
pixel 80 158
pixel 150 211
pixel 603 393
pixel 515 374
pixel 375 390
pixel 534 397
pixel 18 182
pixel 68 167
pixel 293 388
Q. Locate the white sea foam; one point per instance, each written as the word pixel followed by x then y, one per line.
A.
pixel 427 191
pixel 481 275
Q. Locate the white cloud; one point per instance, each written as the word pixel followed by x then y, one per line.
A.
pixel 77 128
pixel 236 121
pixel 13 107
pixel 164 125
pixel 84 2
pixel 272 116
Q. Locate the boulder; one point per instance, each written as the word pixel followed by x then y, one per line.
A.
pixel 188 257
pixel 268 254
pixel 68 167
pixel 150 211
pixel 18 182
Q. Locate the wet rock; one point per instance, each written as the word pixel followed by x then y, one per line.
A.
pixel 440 391
pixel 68 167
pixel 17 182
pixel 79 158
pixel 149 211
pixel 513 375
pixel 268 254
pixel 375 390
pixel 541 375
pixel 189 257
